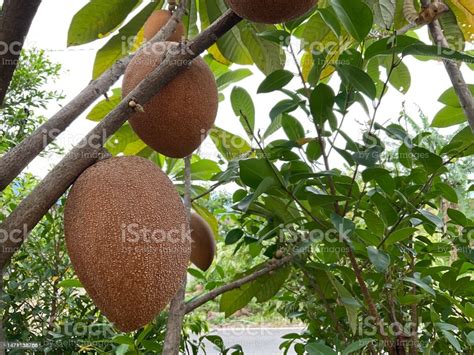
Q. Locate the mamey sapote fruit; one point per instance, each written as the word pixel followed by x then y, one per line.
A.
pixel 177 120
pixel 159 19
pixel 271 11
pixel 203 247
pixel 127 237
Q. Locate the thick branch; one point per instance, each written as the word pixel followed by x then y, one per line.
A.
pixel 199 301
pixel 13 162
pixel 460 87
pixel 15 20
pixel 30 211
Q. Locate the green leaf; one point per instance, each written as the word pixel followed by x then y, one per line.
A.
pixel 268 285
pixel 400 235
pixel 421 284
pixel 263 288
pixel 292 127
pixel 275 81
pixel 70 283
pixel 322 102
pixel 230 44
pixel 284 106
pixel 357 345
pixel 231 146
pixel 264 186
pixel 329 16
pixel 429 160
pixel 470 338
pixel 322 200
pixel 351 304
pixel 319 349
pixel 452 340
pixel 384 12
pixel 355 16
pixel 374 223
pixel 437 52
pixel 379 259
pixel 389 46
pixel 450 98
pixel 344 227
pixel 104 107
pixel 457 216
pixel 244 108
pixel 381 176
pixel 268 56
pixel 231 77
pixel 97 19
pixel 389 214
pixel 233 236
pixel 203 169
pixel 254 171
pixel 449 116
pixel 438 222
pixel 117 48
pixel 358 79
pixel 447 191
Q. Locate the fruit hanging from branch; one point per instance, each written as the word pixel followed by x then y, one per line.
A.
pixel 271 11
pixel 203 248
pixel 177 120
pixel 128 239
pixel 157 21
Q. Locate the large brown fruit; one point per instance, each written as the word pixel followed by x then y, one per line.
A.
pixel 177 120
pixel 159 19
pixel 271 11
pixel 128 239
pixel 203 243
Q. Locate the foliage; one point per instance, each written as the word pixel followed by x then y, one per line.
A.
pixel 382 249
pixel 26 96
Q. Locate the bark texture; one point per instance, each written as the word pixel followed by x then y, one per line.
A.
pixel 16 17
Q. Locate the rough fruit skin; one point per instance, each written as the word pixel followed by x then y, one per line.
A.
pixel 130 277
pixel 203 247
pixel 271 11
pixel 159 19
pixel 177 120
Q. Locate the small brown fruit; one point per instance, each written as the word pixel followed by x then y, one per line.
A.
pixel 128 239
pixel 203 243
pixel 177 120
pixel 157 21
pixel 271 11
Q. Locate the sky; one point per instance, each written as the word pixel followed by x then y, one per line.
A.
pixel 49 32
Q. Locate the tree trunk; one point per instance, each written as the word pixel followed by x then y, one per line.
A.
pixel 15 20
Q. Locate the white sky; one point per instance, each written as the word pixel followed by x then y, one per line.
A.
pixel 49 32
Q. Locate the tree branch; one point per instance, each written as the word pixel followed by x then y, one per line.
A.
pixel 177 306
pixel 13 162
pixel 16 17
pixel 460 87
pixel 199 301
pixel 30 211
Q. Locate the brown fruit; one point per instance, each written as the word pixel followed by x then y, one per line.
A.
pixel 159 19
pixel 177 120
pixel 128 239
pixel 203 247
pixel 271 11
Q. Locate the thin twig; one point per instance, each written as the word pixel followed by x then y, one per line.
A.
pixel 177 306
